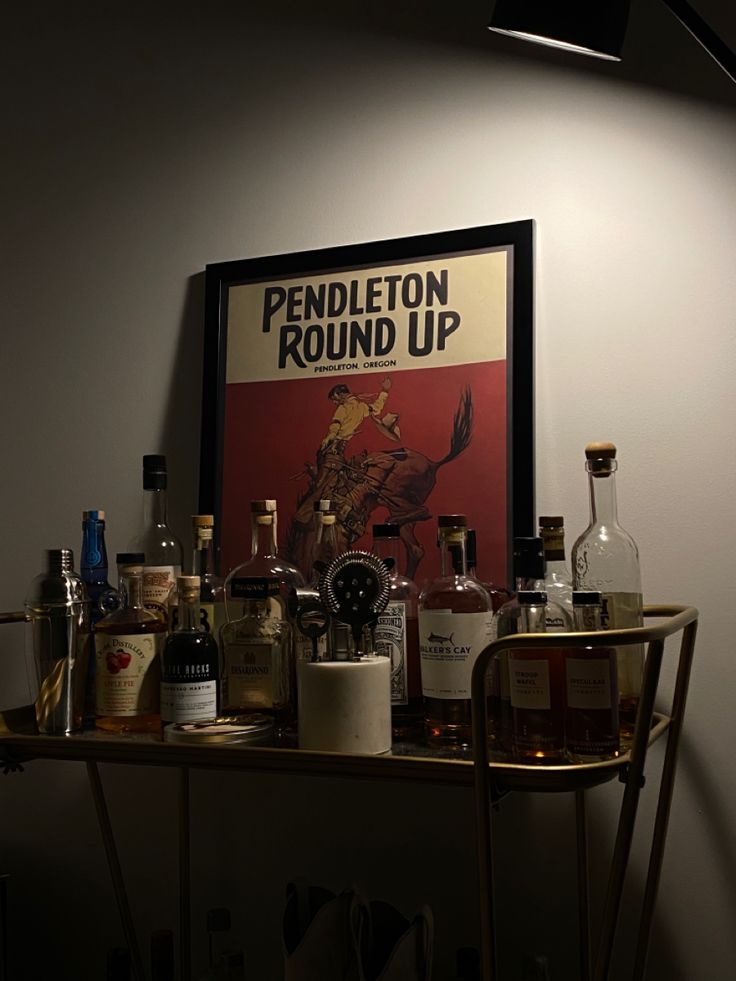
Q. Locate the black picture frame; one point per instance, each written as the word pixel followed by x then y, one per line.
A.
pixel 516 237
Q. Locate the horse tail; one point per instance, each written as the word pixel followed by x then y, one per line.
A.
pixel 462 428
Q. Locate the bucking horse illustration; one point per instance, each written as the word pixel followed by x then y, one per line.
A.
pixel 399 480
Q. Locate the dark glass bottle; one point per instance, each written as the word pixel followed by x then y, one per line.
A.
pixel 128 644
pixel 93 573
pixel 190 665
pixel 499 594
pixel 591 725
pixel 537 689
pixel 397 636
pixel 454 626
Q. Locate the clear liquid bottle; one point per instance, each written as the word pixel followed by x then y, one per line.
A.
pixel 190 663
pixel 128 645
pixel 257 673
pixel 591 718
pixel 537 689
pixel 605 559
pixel 397 637
pixel 212 610
pixel 455 616
pixel 157 541
pixel 557 576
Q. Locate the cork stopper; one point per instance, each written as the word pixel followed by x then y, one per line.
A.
pixel 600 451
pixel 188 587
pixel 263 507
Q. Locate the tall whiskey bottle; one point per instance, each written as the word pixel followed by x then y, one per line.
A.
pixel 605 559
pixel 499 594
pixel 455 617
pixel 397 637
pixel 591 723
pixel 212 587
pixel 128 644
pixel 537 688
pixel 190 663
pixel 159 544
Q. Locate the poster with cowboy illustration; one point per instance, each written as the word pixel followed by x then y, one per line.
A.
pixel 383 385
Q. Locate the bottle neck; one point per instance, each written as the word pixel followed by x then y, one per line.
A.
pixel 603 510
pixel 131 590
pixel 203 557
pixel 453 557
pixel 263 533
pixel 587 617
pixel 154 507
pixel 188 613
pixel 94 553
pixel 527 582
pixel 388 548
pixel 533 620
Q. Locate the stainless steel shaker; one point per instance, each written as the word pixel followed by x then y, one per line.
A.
pixel 59 611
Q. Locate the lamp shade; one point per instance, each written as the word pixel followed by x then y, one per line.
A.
pixel 594 27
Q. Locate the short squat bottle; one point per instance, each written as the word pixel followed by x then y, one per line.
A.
pixel 256 653
pixel 157 541
pixel 397 637
pixel 128 645
pixel 537 687
pixel 591 719
pixel 190 664
pixel 454 626
pixel 605 559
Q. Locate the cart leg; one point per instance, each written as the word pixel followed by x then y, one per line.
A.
pixel 581 832
pixel 665 798
pixel 627 816
pixel 116 873
pixel 185 922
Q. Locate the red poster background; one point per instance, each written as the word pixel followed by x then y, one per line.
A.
pixel 272 429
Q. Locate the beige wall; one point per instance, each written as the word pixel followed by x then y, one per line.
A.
pixel 140 144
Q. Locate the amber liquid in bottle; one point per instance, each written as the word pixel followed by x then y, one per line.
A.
pixel 128 644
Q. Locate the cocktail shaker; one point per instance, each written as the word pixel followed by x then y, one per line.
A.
pixel 59 612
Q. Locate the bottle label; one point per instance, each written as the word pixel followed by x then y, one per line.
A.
pixel 588 682
pixel 253 589
pixel 390 637
pixel 194 701
pixel 159 585
pixel 449 644
pixel 128 675
pixel 250 676
pixel 529 683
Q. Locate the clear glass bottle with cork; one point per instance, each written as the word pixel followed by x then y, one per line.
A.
pixel 605 559
pixel 455 616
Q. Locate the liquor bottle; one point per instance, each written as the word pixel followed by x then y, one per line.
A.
pixel 93 572
pixel 325 547
pixel 128 644
pixel 162 956
pixel 93 569
pixel 454 626
pixel 264 559
pixel 537 689
pixel 557 576
pixel 397 636
pixel 605 558
pixel 112 599
pixel 591 721
pixel 157 541
pixel 499 594
pixel 190 663
pixel 212 587
pixel 256 653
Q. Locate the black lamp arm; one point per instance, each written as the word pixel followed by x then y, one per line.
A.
pixel 702 32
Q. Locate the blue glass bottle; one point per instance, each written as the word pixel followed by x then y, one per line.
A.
pixel 93 572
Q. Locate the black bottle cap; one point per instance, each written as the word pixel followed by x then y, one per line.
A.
pixel 532 597
pixel 130 558
pixel 386 531
pixel 586 597
pixel 452 521
pixel 154 472
pixel 529 558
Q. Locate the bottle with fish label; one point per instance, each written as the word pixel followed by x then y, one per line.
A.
pixel 455 617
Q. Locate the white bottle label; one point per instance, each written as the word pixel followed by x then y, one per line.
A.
pixel 250 676
pixel 390 636
pixel 449 644
pixel 159 584
pixel 588 682
pixel 529 683
pixel 128 674
pixel 189 702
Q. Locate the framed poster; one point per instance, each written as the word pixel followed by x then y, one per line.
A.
pixel 394 377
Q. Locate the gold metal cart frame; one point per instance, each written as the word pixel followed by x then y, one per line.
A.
pixel 492 780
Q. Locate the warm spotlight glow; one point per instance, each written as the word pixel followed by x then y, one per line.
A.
pixel 552 43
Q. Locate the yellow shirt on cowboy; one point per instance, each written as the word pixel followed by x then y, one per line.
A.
pixel 350 414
